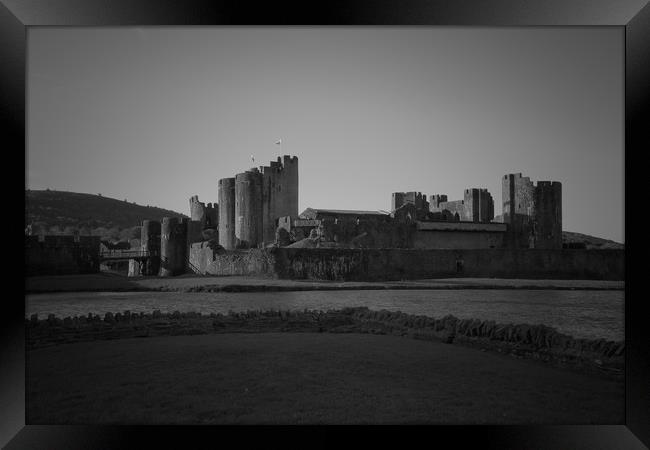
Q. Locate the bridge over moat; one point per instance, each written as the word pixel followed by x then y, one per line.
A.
pixel 125 255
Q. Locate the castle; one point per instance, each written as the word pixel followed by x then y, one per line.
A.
pixel 255 229
pixel 258 208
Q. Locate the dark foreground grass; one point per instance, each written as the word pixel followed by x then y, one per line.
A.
pixel 296 378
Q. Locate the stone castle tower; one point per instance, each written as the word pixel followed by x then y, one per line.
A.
pixel 173 246
pixel 150 243
pixel 226 192
pixel 479 205
pixel 248 209
pixel 202 216
pixel 533 213
pixel 279 194
pixel 252 202
pixel 206 214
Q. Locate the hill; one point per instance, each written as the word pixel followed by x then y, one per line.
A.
pixel 63 212
pixel 590 242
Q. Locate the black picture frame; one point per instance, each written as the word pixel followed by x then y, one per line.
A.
pixel 634 16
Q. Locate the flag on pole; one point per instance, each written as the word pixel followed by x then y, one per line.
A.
pixel 278 142
pixel 252 158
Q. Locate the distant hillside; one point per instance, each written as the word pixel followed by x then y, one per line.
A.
pixel 86 212
pixel 590 242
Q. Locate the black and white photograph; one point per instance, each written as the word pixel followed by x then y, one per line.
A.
pixel 325 225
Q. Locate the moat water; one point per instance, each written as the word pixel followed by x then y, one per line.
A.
pixel 582 314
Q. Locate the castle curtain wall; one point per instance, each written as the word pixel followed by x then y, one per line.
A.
pixel 61 255
pixel 399 264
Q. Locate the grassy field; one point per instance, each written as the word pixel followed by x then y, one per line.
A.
pixel 296 378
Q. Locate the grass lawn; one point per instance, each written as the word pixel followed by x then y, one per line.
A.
pixel 296 378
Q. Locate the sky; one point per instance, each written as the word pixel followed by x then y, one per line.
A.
pixel 155 115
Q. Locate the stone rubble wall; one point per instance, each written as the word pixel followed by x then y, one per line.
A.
pixel 519 340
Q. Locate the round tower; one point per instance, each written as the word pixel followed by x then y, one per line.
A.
pixel 173 246
pixel 227 213
pixel 248 209
pixel 150 243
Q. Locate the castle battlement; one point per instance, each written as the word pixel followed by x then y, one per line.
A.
pixel 549 184
pixel 286 159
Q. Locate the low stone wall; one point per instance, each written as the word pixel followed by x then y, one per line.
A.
pixel 404 264
pixel 535 341
pixel 521 340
